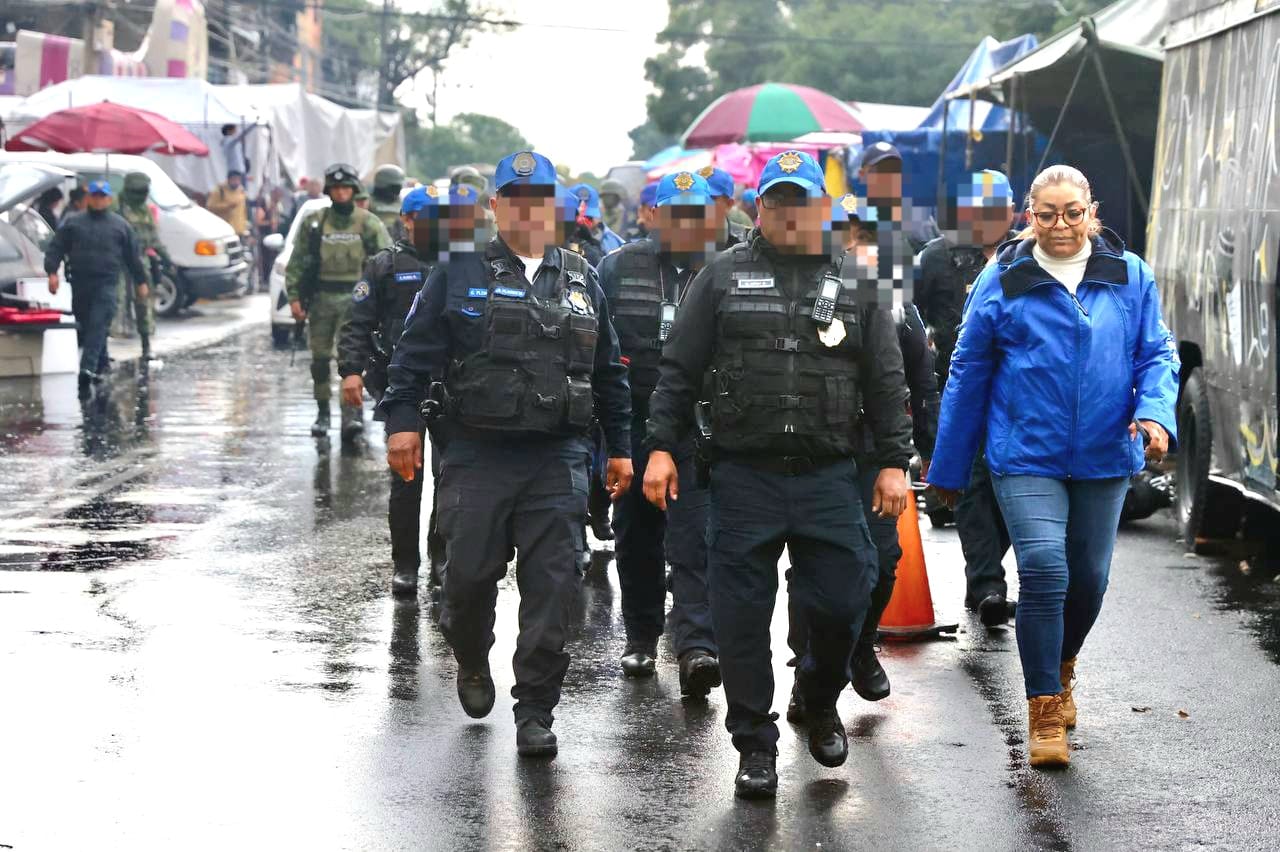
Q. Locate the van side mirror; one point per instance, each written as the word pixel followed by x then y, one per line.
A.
pixel 273 242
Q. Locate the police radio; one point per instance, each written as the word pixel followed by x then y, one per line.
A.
pixel 824 306
pixel 666 319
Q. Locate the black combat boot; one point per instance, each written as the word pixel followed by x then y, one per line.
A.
pixel 757 776
pixel 994 610
pixel 639 659
pixel 534 739
pixel 321 427
pixel 699 673
pixel 352 423
pixel 475 690
pixel 869 678
pixel 404 582
pixel 598 504
pixel 795 707
pixel 827 740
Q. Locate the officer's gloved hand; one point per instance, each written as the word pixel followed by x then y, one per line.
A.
pixel 404 454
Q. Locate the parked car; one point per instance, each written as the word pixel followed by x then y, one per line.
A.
pixel 208 258
pixel 282 324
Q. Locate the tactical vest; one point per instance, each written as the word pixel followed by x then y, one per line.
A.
pixel 407 277
pixel 636 310
pixel 342 249
pixel 772 374
pixel 532 372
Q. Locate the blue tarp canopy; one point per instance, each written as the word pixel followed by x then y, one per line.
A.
pixel 988 57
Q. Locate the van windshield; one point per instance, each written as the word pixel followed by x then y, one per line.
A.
pixel 164 192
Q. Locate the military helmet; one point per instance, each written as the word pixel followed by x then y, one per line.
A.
pixel 614 187
pixel 137 182
pixel 340 174
pixel 388 176
pixel 470 176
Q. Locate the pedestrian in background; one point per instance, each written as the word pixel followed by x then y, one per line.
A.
pixel 137 210
pixel 98 246
pixel 228 202
pixel 77 202
pixel 1062 361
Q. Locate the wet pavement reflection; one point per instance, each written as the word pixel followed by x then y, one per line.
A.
pixel 199 651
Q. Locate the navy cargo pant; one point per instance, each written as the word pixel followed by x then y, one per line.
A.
pixel 984 538
pixel 884 535
pixel 404 513
pixel 94 313
pixel 816 514
pixel 529 493
pixel 646 539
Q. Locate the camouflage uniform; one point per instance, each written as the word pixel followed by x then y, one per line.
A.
pixel 135 209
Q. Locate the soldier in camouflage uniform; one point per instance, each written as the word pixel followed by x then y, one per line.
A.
pixel 388 180
pixel 142 218
pixel 328 258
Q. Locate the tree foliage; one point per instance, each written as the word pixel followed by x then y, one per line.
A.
pixel 902 52
pixel 469 138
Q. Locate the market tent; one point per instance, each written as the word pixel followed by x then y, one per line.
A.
pixel 192 103
pixel 1094 90
pixel 311 132
pixel 985 59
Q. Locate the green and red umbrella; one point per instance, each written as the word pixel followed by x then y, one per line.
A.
pixel 769 112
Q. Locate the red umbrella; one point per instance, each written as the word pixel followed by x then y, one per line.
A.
pixel 769 112
pixel 107 128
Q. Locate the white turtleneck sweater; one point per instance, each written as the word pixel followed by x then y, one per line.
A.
pixel 1068 270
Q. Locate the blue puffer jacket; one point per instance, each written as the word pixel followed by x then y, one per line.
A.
pixel 1054 380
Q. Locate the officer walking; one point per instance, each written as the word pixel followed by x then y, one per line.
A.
pixel 644 282
pixel 333 245
pixel 948 267
pixel 380 302
pixel 140 215
pixel 388 180
pixel 792 359
pixel 515 346
pixel 861 265
pixel 99 247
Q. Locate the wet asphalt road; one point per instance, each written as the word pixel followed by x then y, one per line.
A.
pixel 197 651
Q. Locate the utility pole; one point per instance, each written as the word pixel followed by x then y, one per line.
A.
pixel 382 54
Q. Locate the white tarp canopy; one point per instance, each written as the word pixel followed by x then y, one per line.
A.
pixel 195 104
pixel 310 132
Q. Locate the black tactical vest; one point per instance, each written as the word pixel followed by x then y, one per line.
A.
pixel 532 372
pixel 636 310
pixel 772 374
pixel 407 277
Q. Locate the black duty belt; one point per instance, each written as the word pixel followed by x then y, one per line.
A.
pixel 785 465
pixel 335 286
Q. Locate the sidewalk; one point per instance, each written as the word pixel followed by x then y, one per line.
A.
pixel 201 325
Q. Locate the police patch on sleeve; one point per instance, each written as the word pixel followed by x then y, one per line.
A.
pixel 361 291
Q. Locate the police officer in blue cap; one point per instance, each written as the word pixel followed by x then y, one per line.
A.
pixel 648 195
pixel 380 301
pixel 513 351
pixel 644 282
pixel 98 246
pixel 795 359
pixel 734 224
pixel 587 227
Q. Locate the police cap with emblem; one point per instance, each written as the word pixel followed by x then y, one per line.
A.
pixel 682 188
pixel 795 167
pixel 719 181
pixel 524 168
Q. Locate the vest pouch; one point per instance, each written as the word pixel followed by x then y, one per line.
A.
pixel 579 402
pixel 508 333
pixel 489 395
pixel 582 344
pixel 839 400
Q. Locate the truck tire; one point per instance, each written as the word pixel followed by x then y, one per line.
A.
pixel 168 297
pixel 1205 513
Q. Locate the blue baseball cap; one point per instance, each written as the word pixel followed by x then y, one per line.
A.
pixel 99 187
pixel 586 192
pixel 987 188
pixel 682 188
pixel 649 194
pixel 750 195
pixel 720 181
pixel 525 167
pixel 461 195
pixel 418 199
pixel 793 167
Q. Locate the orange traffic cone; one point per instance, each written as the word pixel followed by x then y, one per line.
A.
pixel 910 611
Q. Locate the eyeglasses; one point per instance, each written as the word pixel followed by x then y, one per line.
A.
pixel 1072 216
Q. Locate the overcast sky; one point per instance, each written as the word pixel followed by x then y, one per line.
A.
pixel 572 81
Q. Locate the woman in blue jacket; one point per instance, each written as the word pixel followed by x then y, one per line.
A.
pixel 1063 359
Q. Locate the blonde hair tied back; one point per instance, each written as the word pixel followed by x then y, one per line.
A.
pixel 1053 176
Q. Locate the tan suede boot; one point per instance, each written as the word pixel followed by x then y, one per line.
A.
pixel 1047 742
pixel 1068 673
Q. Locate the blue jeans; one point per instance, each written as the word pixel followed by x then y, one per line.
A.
pixel 1063 533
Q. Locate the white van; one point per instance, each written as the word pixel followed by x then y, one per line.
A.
pixel 282 324
pixel 206 251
